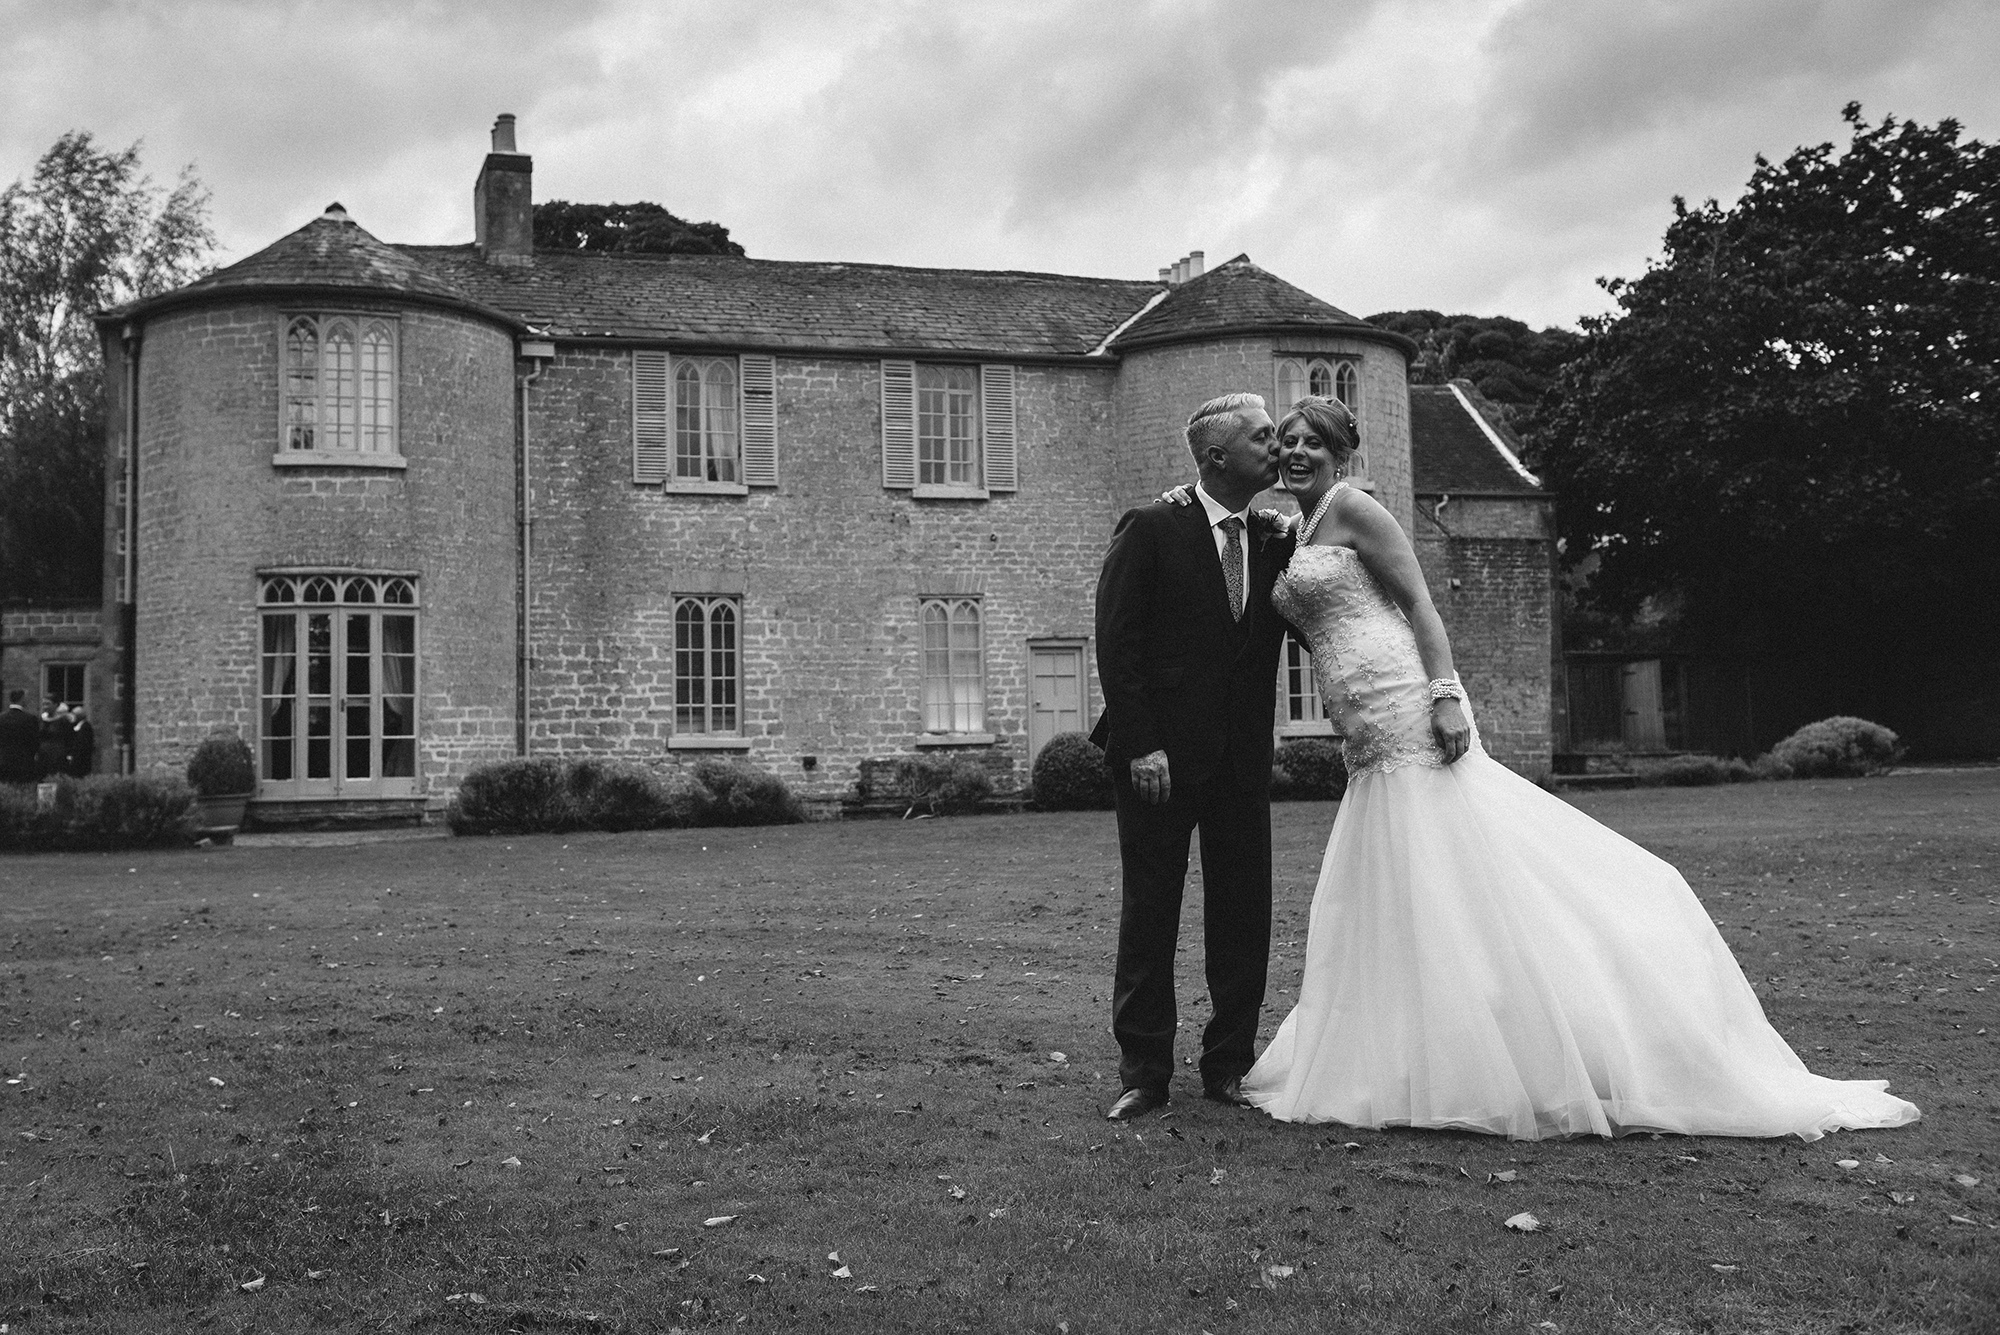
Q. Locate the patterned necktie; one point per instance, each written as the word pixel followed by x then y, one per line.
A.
pixel 1232 564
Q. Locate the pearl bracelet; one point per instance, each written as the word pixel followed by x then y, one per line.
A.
pixel 1447 688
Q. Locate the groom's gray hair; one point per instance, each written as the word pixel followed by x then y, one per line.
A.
pixel 1216 418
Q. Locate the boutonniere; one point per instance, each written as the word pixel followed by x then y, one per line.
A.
pixel 1269 525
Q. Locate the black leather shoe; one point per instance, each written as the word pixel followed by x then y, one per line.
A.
pixel 1230 1092
pixel 1136 1103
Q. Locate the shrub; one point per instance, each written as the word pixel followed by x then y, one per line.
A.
pixel 525 796
pixel 1070 774
pixel 104 811
pixel 222 767
pixel 1695 771
pixel 1313 768
pixel 735 792
pixel 1839 747
pixel 946 785
pixel 618 795
pixel 1768 766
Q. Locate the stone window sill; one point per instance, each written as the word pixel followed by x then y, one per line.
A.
pixel 684 486
pixel 931 491
pixel 336 459
pixel 705 742
pixel 1319 729
pixel 957 739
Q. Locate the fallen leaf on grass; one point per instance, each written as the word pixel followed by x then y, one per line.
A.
pixel 1352 1146
pixel 620 1228
pixel 316 1274
pixel 1847 1163
pixel 252 1285
pixel 1215 1176
pixel 1504 1175
pixel 755 1279
pixel 702 1139
pixel 1058 1057
pixel 461 1163
pixel 1724 1269
pixel 1000 1213
pixel 1966 1180
pixel 511 1161
pixel 956 1192
pixel 717 1221
pixel 1961 1219
pixel 668 1251
pixel 1524 1223
pixel 475 1299
pixel 216 1080
pixel 1280 1271
pixel 1903 1197
pixel 833 1257
pixel 844 1272
pixel 866 1288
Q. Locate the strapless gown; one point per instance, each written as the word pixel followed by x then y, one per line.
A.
pixel 1483 956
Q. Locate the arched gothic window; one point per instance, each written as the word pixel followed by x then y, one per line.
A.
pixel 954 666
pixel 705 439
pixel 340 385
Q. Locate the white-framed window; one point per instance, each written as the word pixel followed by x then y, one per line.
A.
pixel 337 686
pixel 708 664
pixel 954 665
pixel 948 430
pixel 704 423
pixel 1322 377
pixel 340 389
pixel 1301 712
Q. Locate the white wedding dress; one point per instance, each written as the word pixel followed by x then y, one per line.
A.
pixel 1483 956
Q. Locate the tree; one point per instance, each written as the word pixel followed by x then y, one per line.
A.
pixel 641 228
pixel 1790 428
pixel 1511 364
pixel 87 231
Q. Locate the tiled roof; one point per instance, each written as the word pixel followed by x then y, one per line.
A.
pixel 1239 297
pixel 788 304
pixel 329 254
pixel 1450 453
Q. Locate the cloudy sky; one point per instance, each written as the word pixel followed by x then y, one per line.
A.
pixel 1490 156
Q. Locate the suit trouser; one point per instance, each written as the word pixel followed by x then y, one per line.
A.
pixel 1235 825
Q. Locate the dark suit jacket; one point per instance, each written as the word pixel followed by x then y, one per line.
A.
pixel 20 735
pixel 1179 674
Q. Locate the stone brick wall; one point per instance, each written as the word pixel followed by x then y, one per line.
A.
pixel 829 567
pixel 214 511
pixel 1490 567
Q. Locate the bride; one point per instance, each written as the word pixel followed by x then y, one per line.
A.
pixel 1481 955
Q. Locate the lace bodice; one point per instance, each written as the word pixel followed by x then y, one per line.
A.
pixel 1364 657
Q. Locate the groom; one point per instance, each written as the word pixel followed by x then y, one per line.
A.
pixel 1187 650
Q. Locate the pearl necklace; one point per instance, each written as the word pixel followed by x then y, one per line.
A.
pixel 1319 512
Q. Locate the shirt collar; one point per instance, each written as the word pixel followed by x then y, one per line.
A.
pixel 1215 509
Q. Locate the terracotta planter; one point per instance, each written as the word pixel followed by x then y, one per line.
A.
pixel 221 812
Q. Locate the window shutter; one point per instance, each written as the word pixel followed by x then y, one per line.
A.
pixel 899 424
pixel 651 427
pixel 758 374
pixel 996 426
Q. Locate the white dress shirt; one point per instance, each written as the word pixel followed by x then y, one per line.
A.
pixel 1216 514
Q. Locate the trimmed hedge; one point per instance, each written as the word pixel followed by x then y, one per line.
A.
pixel 552 795
pixel 1839 747
pixel 735 792
pixel 945 785
pixel 103 811
pixel 1312 769
pixel 1070 774
pixel 1694 771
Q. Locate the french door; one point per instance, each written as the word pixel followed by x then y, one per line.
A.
pixel 338 680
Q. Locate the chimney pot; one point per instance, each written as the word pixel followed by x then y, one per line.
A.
pixel 1196 263
pixel 335 213
pixel 1167 277
pixel 503 133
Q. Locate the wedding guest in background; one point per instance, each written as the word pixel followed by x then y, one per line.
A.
pixel 82 756
pixel 53 749
pixel 20 738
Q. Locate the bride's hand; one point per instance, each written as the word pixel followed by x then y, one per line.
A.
pixel 1179 494
pixel 1450 728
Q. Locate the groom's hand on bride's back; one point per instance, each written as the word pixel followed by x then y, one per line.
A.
pixel 1150 778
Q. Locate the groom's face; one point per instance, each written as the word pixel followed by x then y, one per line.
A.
pixel 1250 451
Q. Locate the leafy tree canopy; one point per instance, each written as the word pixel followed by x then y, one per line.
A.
pixel 1511 364
pixel 87 231
pixel 644 228
pixel 1790 428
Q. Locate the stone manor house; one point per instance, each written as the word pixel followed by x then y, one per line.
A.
pixel 392 511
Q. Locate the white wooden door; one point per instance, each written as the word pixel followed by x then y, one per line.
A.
pixel 1056 698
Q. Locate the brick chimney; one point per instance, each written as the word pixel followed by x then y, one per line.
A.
pixel 503 204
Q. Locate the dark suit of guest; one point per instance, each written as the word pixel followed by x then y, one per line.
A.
pixel 20 737
pixel 1181 675
pixel 82 749
pixel 54 748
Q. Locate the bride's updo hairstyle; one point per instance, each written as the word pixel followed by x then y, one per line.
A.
pixel 1330 420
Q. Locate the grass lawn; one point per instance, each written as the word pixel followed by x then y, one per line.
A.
pixel 501 1084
